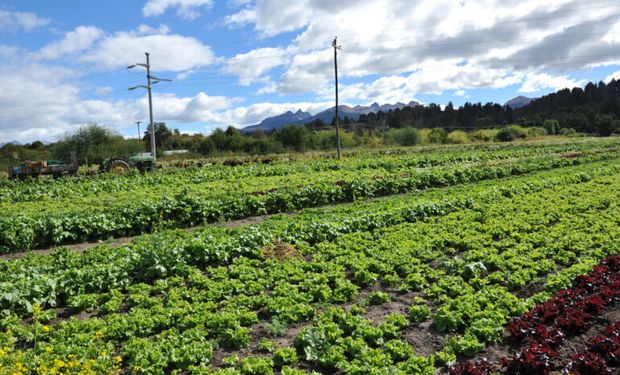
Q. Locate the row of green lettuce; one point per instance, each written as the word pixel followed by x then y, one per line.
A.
pixel 218 301
pixel 26 229
pixel 390 160
pixel 99 200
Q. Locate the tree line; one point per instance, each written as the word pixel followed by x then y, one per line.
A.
pixel 593 110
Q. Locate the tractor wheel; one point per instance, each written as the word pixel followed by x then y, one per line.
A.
pixel 118 166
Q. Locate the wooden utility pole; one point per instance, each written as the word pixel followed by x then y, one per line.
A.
pixel 336 48
pixel 150 81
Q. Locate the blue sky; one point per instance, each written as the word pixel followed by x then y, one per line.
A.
pixel 63 63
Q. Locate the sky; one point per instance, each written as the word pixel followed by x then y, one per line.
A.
pixel 63 63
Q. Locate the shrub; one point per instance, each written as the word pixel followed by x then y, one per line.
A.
pixel 536 132
pixel 404 137
pixel 437 135
pixel 484 135
pixel 510 133
pixel 567 131
pixel 327 139
pixel 457 137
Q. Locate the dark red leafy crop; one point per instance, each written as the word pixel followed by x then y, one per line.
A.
pixel 534 358
pixel 588 364
pixel 481 367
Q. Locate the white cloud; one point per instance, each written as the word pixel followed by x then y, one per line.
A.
pixel 397 37
pixel 16 21
pixel 55 109
pixel 614 75
pixel 537 82
pixel 188 9
pixel 273 17
pixel 429 79
pixel 169 52
pixel 201 107
pixel 78 40
pixel 613 35
pixel 460 93
pixel 252 65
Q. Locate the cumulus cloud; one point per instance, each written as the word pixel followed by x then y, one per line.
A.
pixel 170 52
pixel 201 107
pixel 252 65
pixel 399 36
pixel 537 82
pixel 74 41
pixel 185 8
pixel 56 108
pixel 18 21
pixel 614 75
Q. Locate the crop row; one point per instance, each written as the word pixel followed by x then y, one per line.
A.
pixel 387 160
pixel 79 222
pixel 548 325
pixel 191 301
pixel 51 280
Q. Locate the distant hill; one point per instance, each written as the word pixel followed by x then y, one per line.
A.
pixel 300 117
pixel 518 102
pixel 9 143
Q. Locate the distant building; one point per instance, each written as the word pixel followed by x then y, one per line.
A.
pixel 175 152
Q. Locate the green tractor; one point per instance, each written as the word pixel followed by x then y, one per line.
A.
pixel 117 165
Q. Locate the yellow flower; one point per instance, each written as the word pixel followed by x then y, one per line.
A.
pixel 118 359
pixel 98 334
pixel 36 310
pixel 48 349
pixel 59 363
pixel 46 329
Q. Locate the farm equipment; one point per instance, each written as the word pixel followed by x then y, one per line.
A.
pixel 55 168
pixel 142 162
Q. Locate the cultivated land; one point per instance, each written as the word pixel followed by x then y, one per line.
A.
pixel 462 240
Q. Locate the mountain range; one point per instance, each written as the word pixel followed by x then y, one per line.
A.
pixel 300 117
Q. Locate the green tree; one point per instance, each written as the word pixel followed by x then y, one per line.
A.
pixel 552 126
pixel 293 136
pixel 162 136
pixel 94 143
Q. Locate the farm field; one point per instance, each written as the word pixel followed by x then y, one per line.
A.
pixel 471 252
pixel 67 211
